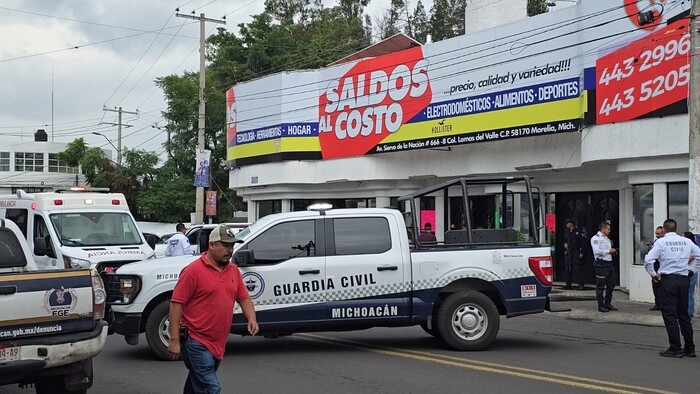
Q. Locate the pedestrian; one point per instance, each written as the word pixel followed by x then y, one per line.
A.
pixel 573 250
pixel 427 236
pixel 654 283
pixel 603 252
pixel 674 252
pixel 201 311
pixel 693 275
pixel 178 244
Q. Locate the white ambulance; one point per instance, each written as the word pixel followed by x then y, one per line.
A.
pixel 77 228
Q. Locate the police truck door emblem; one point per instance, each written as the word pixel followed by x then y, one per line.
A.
pixel 255 284
pixel 59 302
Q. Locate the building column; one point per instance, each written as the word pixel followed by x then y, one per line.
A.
pixel 660 203
pixel 440 216
pixel 252 211
pixel 626 234
pixel 286 205
pixel 382 201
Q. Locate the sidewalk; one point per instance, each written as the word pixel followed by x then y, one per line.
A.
pixel 584 306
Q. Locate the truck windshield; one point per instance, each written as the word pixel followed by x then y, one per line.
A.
pixel 95 229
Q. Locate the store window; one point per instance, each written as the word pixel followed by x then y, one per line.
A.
pixel 643 226
pixel 4 161
pixel 55 165
pixel 29 162
pixel 268 207
pixel 678 205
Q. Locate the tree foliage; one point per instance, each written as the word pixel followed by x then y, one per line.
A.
pixel 536 7
pixel 287 35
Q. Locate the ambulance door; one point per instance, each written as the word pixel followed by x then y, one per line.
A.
pixel 366 271
pixel 41 230
pixel 285 277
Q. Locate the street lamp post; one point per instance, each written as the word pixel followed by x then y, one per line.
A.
pixel 110 142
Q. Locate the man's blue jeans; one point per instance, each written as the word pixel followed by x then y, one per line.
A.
pixel 691 295
pixel 202 368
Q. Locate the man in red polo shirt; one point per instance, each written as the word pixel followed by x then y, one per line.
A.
pixel 202 305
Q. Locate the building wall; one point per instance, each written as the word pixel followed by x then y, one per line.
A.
pixel 32 179
pixel 611 157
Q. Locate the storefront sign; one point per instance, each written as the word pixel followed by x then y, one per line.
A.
pixel 513 81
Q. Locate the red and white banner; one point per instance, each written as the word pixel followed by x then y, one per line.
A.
pixel 646 75
pixel 372 100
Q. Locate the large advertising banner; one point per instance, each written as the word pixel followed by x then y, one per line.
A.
pixel 647 75
pixel 542 75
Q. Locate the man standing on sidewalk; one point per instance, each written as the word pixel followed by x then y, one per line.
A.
pixel 674 252
pixel 655 283
pixel 573 243
pixel 603 252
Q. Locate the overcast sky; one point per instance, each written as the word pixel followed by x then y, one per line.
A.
pixel 122 46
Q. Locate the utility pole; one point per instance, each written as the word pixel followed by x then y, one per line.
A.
pixel 119 128
pixel 694 124
pixel 199 202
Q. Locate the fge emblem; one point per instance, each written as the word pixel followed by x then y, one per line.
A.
pixel 59 302
pixel 255 284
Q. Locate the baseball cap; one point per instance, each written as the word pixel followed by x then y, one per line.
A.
pixel 569 220
pixel 223 234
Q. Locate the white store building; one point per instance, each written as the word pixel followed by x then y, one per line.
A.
pixel 33 166
pixel 598 147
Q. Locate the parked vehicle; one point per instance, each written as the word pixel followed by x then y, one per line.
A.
pixel 350 269
pixel 81 228
pixel 51 322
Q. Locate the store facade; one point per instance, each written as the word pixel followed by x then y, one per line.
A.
pixel 555 106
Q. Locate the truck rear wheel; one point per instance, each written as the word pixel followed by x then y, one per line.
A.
pixel 157 325
pixel 468 320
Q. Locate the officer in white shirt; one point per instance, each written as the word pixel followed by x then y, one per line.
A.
pixel 674 252
pixel 603 252
pixel 178 244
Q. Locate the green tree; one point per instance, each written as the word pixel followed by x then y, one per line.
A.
pixel 440 15
pixel 536 7
pixel 138 169
pixel 419 28
pixel 389 22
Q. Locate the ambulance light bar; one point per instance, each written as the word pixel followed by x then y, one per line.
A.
pixel 83 190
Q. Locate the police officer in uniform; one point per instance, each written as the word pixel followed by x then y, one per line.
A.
pixel 673 253
pixel 603 252
pixel 573 243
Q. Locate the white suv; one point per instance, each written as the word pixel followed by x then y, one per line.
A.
pixel 198 235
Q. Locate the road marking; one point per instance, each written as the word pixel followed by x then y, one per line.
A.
pixel 485 366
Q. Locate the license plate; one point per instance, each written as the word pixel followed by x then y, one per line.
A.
pixel 9 354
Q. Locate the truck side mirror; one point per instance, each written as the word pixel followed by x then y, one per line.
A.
pixel 244 258
pixel 42 247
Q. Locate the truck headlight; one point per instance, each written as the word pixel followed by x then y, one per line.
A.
pixel 128 287
pixel 72 262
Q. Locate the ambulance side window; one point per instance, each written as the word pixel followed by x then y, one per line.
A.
pixel 19 216
pixel 285 241
pixel 42 231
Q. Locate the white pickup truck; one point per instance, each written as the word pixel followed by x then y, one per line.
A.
pixel 51 321
pixel 347 269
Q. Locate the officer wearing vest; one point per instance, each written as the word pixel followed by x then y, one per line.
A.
pixel 673 253
pixel 573 253
pixel 603 252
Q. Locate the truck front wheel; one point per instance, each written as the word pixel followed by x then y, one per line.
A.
pixel 157 325
pixel 468 320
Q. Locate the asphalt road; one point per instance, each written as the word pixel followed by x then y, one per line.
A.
pixel 532 354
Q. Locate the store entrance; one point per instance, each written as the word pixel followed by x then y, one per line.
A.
pixel 588 210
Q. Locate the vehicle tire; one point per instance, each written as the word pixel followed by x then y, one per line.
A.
pixel 468 320
pixel 157 325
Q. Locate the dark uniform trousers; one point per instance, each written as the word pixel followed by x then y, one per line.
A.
pixel 604 281
pixel 674 309
pixel 574 270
